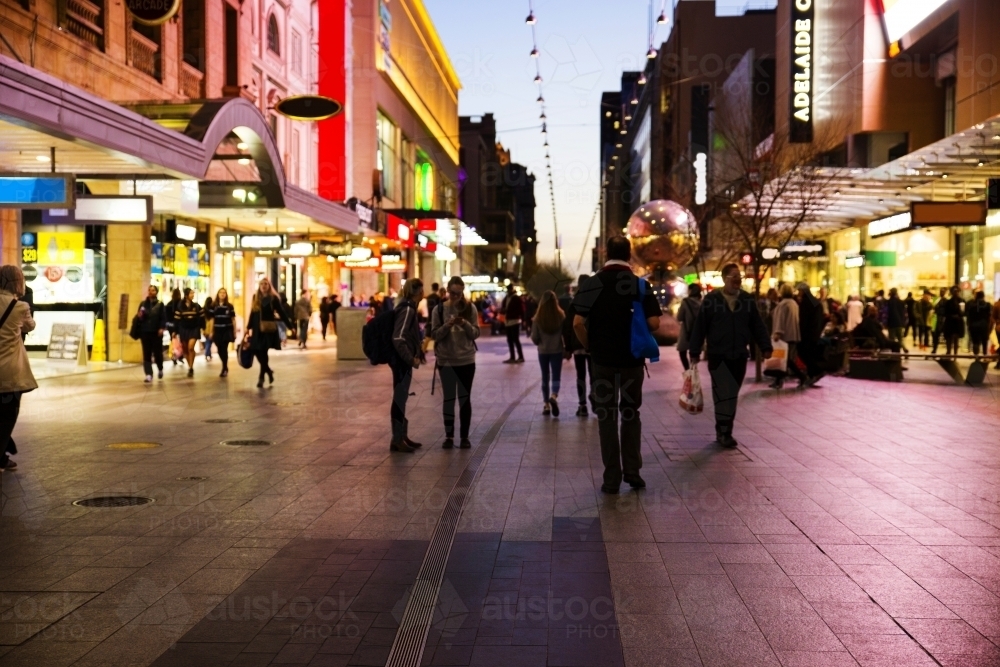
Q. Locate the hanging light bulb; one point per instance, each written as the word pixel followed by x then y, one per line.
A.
pixel 634 100
pixel 534 53
pixel 540 100
pixel 531 18
pixel 651 54
pixel 543 116
pixel 538 78
pixel 662 18
pixel 642 79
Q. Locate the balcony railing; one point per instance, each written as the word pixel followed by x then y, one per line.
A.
pixel 191 82
pixel 86 20
pixel 145 54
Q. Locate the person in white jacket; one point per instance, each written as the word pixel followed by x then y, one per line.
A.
pixel 855 312
pixel 15 372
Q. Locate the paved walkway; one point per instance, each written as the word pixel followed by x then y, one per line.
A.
pixel 858 523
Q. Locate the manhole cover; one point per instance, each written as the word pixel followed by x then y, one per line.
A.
pixel 113 501
pixel 224 421
pixel 246 443
pixel 193 478
pixel 286 404
pixel 134 445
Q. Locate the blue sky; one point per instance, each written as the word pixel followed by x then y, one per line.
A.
pixel 585 45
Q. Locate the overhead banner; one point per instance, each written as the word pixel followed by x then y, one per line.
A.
pixel 37 192
pixel 802 61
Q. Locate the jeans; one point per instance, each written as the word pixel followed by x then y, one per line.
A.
pixel 583 369
pixel 10 408
pixel 402 376
pixel 456 383
pixel 618 391
pixel 208 347
pixel 727 378
pixel 152 352
pixel 551 366
pixel 303 331
pixel 514 340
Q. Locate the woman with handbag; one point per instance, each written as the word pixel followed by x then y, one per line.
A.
pixel 15 372
pixel 262 327
pixel 222 316
pixel 190 320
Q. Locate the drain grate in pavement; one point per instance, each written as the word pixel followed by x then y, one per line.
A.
pixel 113 501
pixel 193 478
pixel 225 421
pixel 247 443
pixel 134 445
pixel 286 404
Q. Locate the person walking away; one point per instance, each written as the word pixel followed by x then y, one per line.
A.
pixel 284 323
pixel 954 323
pixel 923 311
pixel 811 323
pixel 223 318
pixel 581 358
pixel 266 313
pixel 546 333
pixel 911 316
pixel 604 306
pixel 324 315
pixel 408 356
pixel 785 327
pixel 513 312
pixel 897 321
pixel 206 309
pixel 303 311
pixel 727 323
pixel 334 306
pixel 153 320
pixel 169 310
pixel 687 315
pixel 855 312
pixel 16 378
pixel 940 316
pixel 977 314
pixel 454 329
pixel 190 320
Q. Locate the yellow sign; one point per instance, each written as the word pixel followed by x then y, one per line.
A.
pixel 29 255
pixel 60 248
pixel 180 261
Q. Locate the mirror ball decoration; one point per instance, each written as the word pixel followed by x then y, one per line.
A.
pixel 664 236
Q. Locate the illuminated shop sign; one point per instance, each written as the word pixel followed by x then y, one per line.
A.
pixel 393 263
pixel 335 249
pixel 854 261
pixel 797 249
pixel 902 16
pixel 356 255
pixel 228 242
pixel 29 248
pixel 34 192
pixel 185 232
pixel 103 209
pixel 890 225
pixel 700 179
pixel 299 249
pixel 802 60
pixel 370 263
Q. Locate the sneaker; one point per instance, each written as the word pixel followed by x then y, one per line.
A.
pixel 554 406
pixel 607 488
pixel 400 446
pixel 635 481
pixel 449 443
pixel 582 411
pixel 149 378
pixel 546 410
pixel 465 444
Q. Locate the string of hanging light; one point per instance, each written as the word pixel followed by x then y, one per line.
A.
pixel 536 55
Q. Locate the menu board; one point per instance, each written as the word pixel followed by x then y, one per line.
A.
pixel 65 341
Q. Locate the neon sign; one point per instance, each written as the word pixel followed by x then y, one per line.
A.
pixel 801 86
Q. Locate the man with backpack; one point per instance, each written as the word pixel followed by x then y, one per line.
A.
pixel 603 323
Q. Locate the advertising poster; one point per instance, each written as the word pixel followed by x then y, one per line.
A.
pixel 194 263
pixel 156 263
pixel 64 269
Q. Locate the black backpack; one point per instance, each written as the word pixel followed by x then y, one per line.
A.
pixel 376 338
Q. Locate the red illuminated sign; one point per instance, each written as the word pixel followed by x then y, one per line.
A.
pixel 397 229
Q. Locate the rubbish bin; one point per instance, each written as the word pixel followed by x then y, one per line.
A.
pixel 349 324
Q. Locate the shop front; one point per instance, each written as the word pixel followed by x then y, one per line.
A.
pixel 898 255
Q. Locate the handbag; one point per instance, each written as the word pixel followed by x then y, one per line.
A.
pixel 644 346
pixel 244 354
pixel 135 331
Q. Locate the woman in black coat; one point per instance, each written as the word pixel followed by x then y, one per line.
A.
pixel 223 332
pixel 954 322
pixel 262 328
pixel 190 321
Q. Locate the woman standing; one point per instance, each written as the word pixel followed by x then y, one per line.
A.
pixel 406 344
pixel 546 333
pixel 207 342
pixel 15 372
pixel 455 328
pixel 266 314
pixel 169 310
pixel 687 315
pixel 222 316
pixel 190 320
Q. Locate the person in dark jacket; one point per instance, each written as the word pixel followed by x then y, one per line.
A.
pixel 940 316
pixel 335 305
pixel 581 357
pixel 324 315
pixel 977 313
pixel 266 313
pixel 190 320
pixel 207 323
pixel 869 335
pixel 175 299
pixel 153 320
pixel 687 315
pixel 896 321
pixel 911 315
pixel 223 317
pixel 727 324
pixel 513 311
pixel 408 356
pixel 954 321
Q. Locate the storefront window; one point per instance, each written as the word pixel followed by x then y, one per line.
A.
pixel 844 281
pixel 910 261
pixel 387 156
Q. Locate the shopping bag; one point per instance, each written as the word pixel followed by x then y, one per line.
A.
pixel 777 365
pixel 177 347
pixel 692 399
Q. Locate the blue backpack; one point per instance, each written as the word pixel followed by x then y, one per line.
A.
pixel 644 346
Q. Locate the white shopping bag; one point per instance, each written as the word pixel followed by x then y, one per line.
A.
pixel 777 365
pixel 691 397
